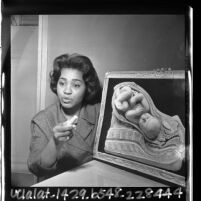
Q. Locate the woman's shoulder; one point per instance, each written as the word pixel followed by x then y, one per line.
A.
pixel 91 112
pixel 93 108
pixel 46 113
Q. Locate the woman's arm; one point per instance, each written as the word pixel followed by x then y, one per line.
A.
pixel 44 150
pixel 49 154
pixel 43 153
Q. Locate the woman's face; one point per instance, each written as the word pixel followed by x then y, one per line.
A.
pixel 71 88
pixel 150 125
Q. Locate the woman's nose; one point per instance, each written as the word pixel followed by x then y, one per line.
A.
pixel 67 90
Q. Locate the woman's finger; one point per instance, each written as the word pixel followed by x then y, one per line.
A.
pixel 64 138
pixel 63 128
pixel 63 134
pixel 71 121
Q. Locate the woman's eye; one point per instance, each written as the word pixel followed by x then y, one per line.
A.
pixel 76 85
pixel 61 83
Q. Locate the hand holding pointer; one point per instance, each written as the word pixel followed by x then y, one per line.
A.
pixel 63 131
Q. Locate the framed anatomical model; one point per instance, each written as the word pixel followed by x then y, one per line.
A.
pixel 143 123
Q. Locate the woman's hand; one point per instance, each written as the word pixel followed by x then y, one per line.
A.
pixel 63 131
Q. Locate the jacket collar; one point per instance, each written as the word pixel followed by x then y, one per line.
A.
pixel 88 114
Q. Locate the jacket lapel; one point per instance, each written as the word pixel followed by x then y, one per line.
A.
pixel 86 122
pixel 83 128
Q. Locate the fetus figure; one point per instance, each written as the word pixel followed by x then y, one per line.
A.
pixel 135 107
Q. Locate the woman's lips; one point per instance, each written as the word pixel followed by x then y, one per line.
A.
pixel 67 100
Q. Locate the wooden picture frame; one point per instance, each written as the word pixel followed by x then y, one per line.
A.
pixel 168 90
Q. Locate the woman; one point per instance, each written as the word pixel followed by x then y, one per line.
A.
pixel 63 134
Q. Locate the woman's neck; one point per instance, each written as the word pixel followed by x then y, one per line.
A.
pixel 68 113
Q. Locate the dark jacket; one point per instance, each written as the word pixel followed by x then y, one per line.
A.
pixel 72 153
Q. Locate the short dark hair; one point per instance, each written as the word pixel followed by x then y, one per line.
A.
pixel 83 64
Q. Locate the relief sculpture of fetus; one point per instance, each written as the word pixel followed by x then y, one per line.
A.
pixel 139 131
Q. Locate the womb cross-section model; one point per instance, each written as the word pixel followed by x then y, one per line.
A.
pixel 139 131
